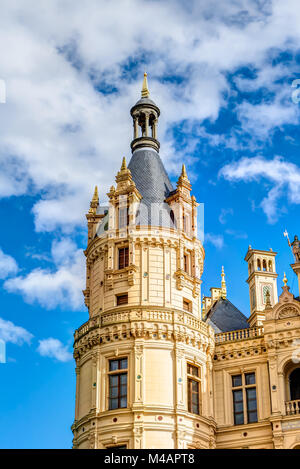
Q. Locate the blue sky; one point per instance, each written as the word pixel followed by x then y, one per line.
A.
pixel 222 76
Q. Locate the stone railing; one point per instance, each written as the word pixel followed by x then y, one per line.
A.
pixel 242 334
pixel 126 315
pixel 292 407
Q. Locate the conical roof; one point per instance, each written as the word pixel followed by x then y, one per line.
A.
pixel 153 183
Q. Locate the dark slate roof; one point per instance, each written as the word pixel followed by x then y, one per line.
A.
pixel 153 183
pixel 144 101
pixel 224 317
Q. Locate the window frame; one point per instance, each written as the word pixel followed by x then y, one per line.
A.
pixel 118 372
pixel 125 294
pixel 189 303
pixel 244 388
pixel 190 379
pixel 124 249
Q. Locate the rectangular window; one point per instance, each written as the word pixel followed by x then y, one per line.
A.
pixel 187 305
pixel 123 217
pixel 187 224
pixel 123 257
pixel 194 386
pixel 244 398
pixel 117 381
pixel 122 299
pixel 187 263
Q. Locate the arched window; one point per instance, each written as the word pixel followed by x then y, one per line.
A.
pixel 172 216
pixel 294 382
pixel 270 266
pixel 258 264
pixel 264 265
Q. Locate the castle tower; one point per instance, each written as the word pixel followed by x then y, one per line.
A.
pixel 262 280
pixel 144 357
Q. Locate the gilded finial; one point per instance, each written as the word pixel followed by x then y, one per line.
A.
pixel 183 172
pixel 145 90
pixel 124 165
pixel 95 196
pixel 94 202
pixel 285 280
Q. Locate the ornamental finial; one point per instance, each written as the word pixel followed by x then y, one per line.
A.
pixel 285 280
pixel 145 90
pixel 95 196
pixel 183 172
pixel 223 284
pixel 124 165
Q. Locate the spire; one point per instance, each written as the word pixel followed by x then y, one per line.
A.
pixel 223 284
pixel 95 196
pixel 183 172
pixel 94 202
pixel 124 165
pixel 145 90
pixel 183 180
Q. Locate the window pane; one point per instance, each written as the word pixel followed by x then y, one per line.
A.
pixel 113 392
pixel 195 409
pixel 195 386
pixel 251 405
pixel 250 378
pixel 238 396
pixel 123 379
pixel 113 365
pixel 239 419
pixel 238 407
pixel 251 393
pixel 123 364
pixel 252 417
pixel 237 380
pixel 123 402
pixel 113 404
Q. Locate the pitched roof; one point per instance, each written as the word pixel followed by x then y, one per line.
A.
pixel 224 317
pixel 153 183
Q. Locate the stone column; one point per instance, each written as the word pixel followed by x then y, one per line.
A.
pixel 136 127
pixel 146 125
pixel 77 371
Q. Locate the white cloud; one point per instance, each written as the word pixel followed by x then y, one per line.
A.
pixel 64 133
pixel 224 213
pixel 216 240
pixel 8 265
pixel 284 176
pixel 9 332
pixel 236 234
pixel 61 286
pixel 53 348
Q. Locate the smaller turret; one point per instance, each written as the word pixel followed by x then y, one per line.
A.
pixel 145 114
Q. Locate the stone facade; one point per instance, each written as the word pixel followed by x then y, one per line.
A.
pixel 146 323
